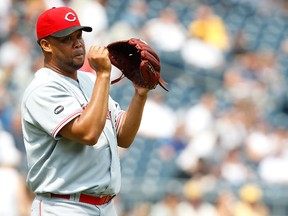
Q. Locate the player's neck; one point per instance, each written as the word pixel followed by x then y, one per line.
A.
pixel 71 74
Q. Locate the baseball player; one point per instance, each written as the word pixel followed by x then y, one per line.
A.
pixel 71 126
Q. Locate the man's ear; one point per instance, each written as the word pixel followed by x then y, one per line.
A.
pixel 45 45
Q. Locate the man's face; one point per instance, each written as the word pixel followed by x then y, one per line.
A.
pixel 68 53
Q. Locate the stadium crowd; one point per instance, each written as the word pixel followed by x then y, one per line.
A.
pixel 223 121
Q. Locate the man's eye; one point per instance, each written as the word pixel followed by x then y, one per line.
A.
pixel 79 36
pixel 67 39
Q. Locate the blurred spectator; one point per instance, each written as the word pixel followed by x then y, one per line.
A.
pixel 224 204
pixel 208 40
pixel 259 77
pixel 259 144
pixel 270 74
pixel 210 28
pixel 168 206
pixel 136 15
pixel 159 121
pixel 202 136
pixel 194 159
pixel 6 105
pixel 195 205
pixel 200 117
pixel 235 87
pixel 173 146
pixel 130 23
pixel 56 3
pixel 233 169
pixel 200 54
pixel 247 94
pixel 239 89
pixel 140 209
pixel 92 13
pixel 14 196
pixel 250 203
pixel 32 9
pixel 5 19
pixel 271 167
pixel 165 33
pixel 16 59
pixel 16 132
pixel 231 129
pixel 8 153
pixel 239 45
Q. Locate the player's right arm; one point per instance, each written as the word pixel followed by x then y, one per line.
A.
pixel 87 127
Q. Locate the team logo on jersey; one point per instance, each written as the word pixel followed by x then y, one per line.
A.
pixel 70 17
pixel 58 109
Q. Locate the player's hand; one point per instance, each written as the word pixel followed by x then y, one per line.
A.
pixel 99 60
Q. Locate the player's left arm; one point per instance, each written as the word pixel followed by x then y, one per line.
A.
pixel 132 117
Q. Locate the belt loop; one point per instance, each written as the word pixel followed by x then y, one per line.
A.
pixel 77 197
pixel 72 197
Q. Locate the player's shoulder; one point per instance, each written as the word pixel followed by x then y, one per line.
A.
pixel 44 79
pixel 43 76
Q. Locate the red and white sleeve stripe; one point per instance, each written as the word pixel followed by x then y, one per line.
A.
pixel 118 121
pixel 64 122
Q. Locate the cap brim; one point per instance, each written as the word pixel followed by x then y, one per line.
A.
pixel 70 30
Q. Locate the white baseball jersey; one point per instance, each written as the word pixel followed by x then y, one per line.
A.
pixel 56 164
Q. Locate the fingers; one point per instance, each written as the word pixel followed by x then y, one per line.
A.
pixel 98 58
pixel 99 51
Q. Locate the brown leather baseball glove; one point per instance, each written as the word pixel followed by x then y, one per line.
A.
pixel 137 61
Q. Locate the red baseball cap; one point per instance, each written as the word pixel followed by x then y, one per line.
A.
pixel 58 22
